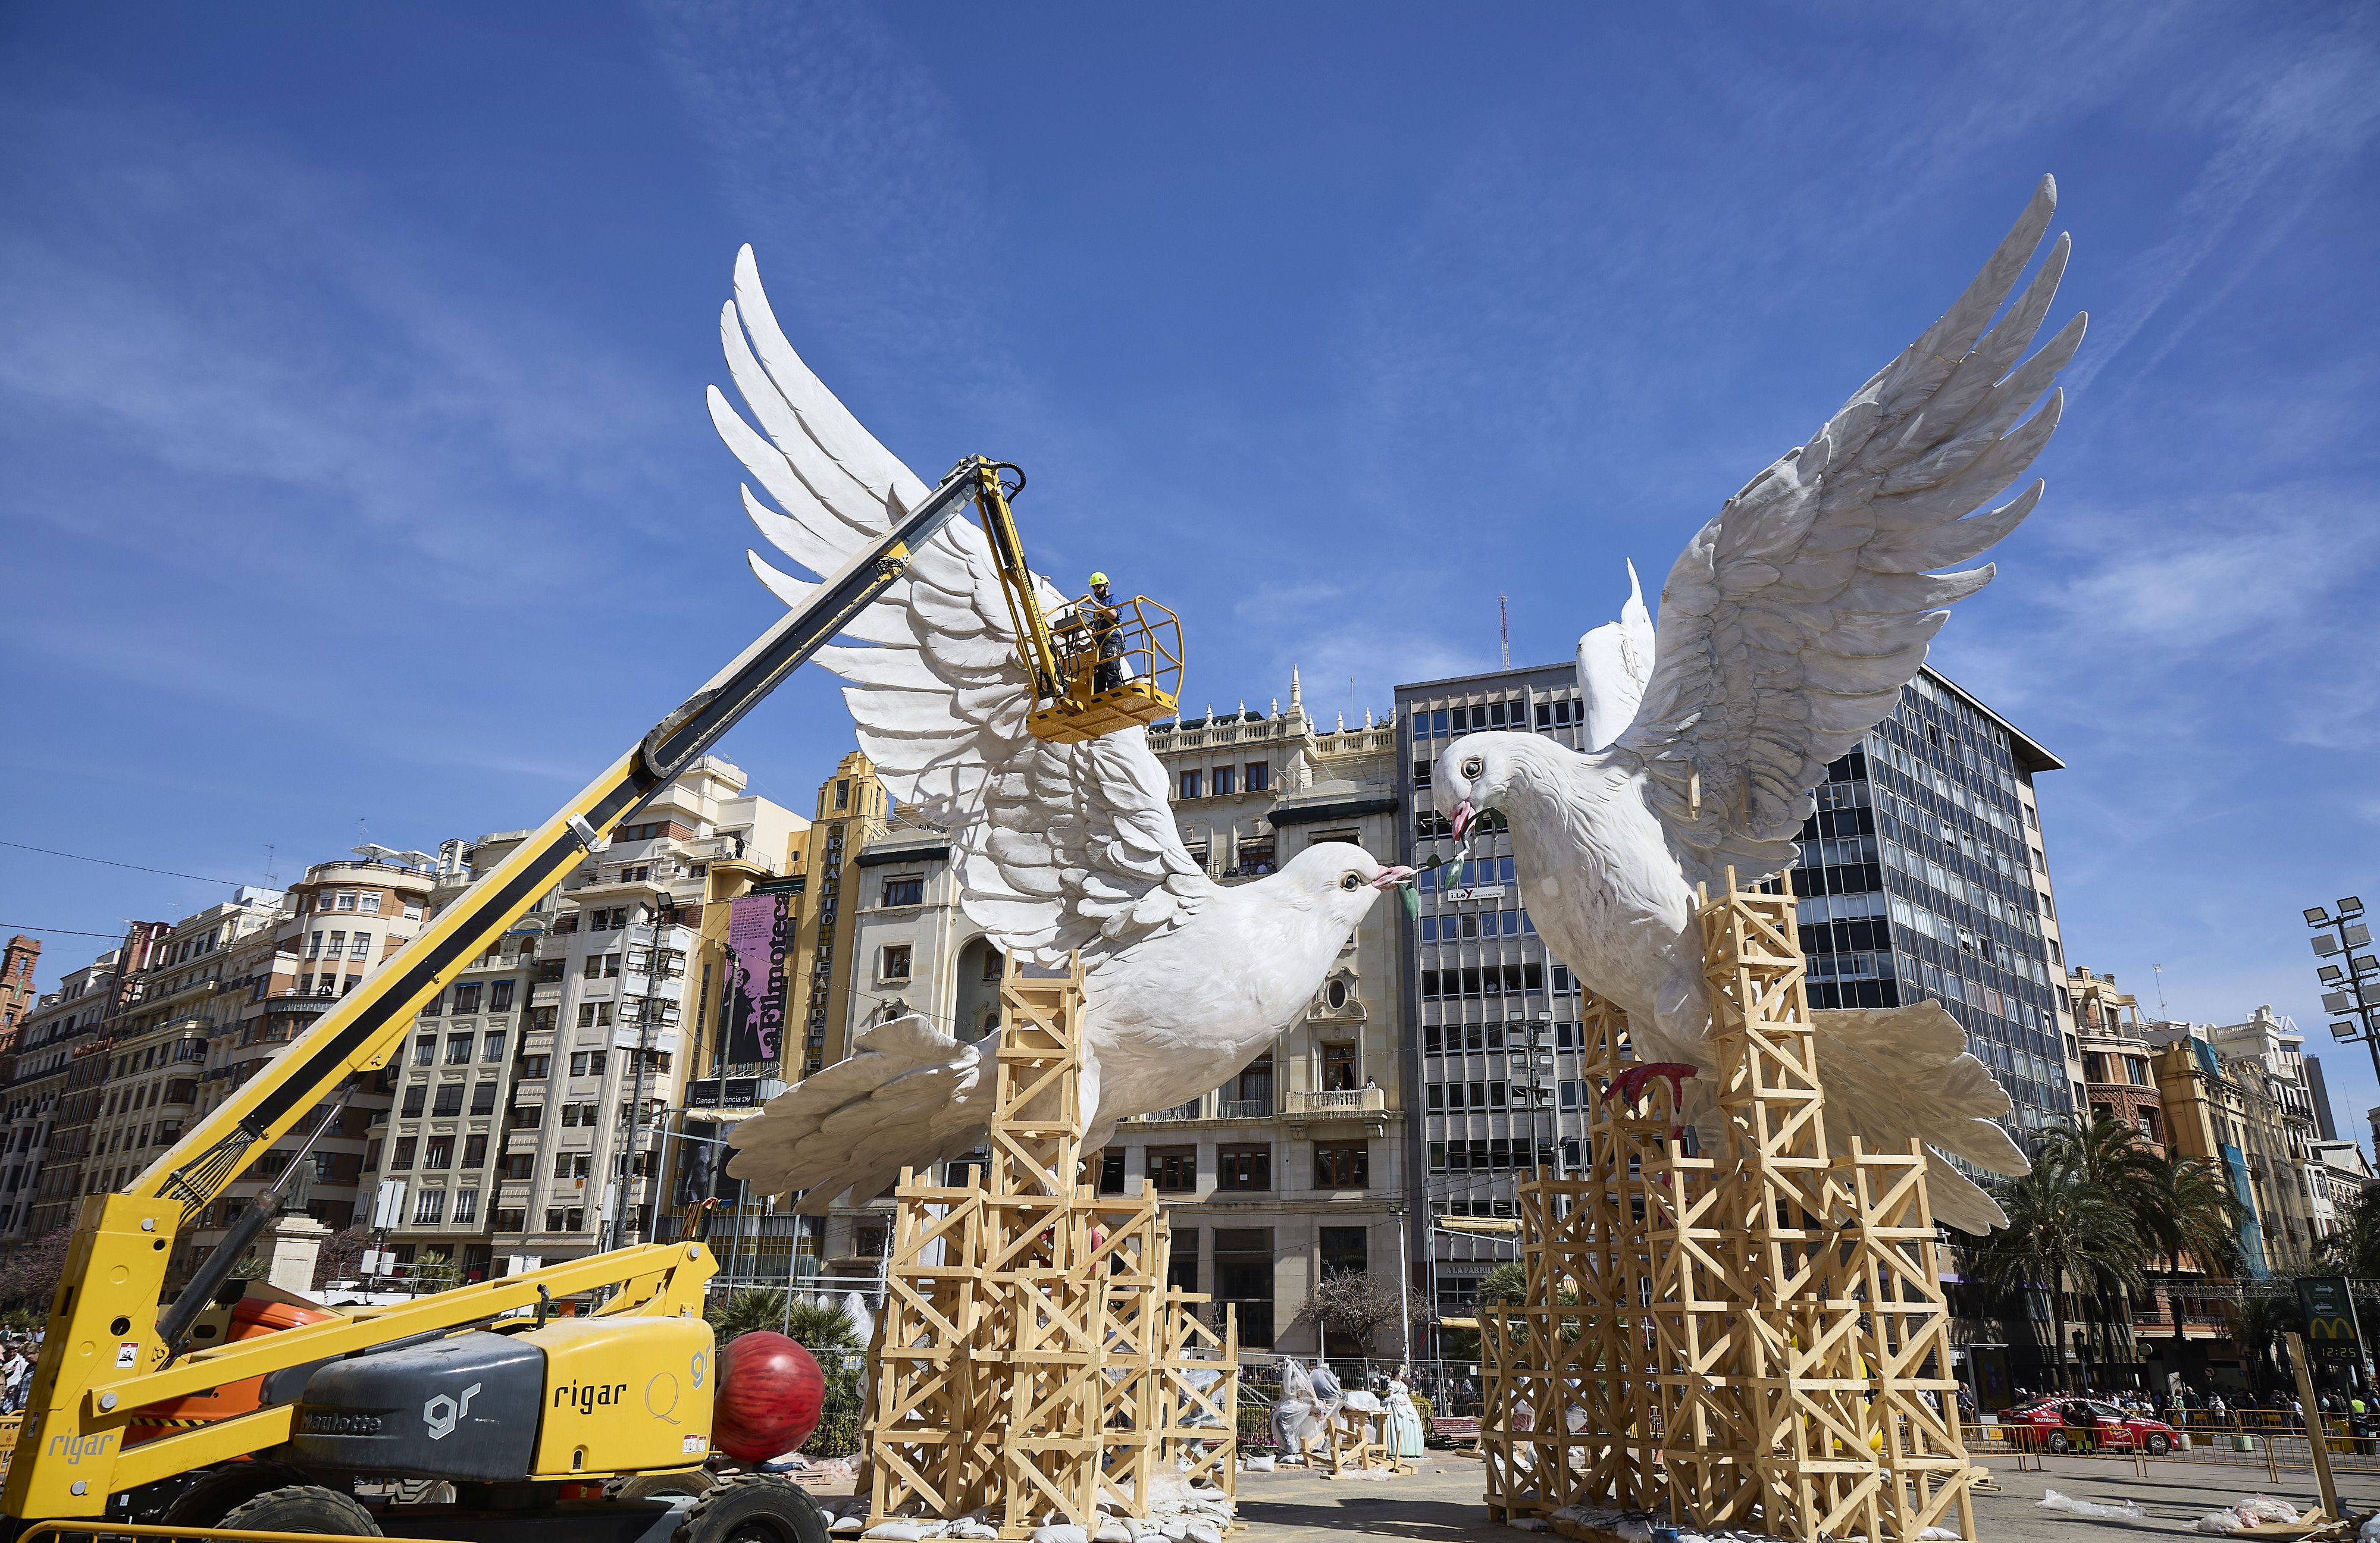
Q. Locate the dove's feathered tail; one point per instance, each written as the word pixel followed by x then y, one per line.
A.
pixel 1892 1073
pixel 908 1096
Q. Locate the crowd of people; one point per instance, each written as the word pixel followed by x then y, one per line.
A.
pixel 17 1354
pixel 2185 1407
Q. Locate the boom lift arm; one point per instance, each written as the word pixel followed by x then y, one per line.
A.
pixel 106 1352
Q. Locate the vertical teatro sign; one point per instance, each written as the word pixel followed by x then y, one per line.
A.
pixel 752 1006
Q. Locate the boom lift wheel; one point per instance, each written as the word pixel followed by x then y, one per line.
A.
pixel 753 1508
pixel 213 1494
pixel 303 1508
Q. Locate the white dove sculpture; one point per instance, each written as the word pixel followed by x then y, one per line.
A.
pixel 1058 848
pixel 1786 629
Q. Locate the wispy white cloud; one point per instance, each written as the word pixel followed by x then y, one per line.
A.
pixel 2280 139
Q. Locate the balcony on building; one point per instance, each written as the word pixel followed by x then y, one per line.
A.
pixel 1339 1101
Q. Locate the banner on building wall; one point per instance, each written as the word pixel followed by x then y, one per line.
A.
pixel 752 1004
pixel 702 1165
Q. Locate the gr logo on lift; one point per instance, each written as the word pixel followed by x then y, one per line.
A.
pixel 442 1414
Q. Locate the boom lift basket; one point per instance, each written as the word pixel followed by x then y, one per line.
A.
pixel 1141 653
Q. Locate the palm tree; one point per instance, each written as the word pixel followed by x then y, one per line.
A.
pixel 818 1326
pixel 2185 1209
pixel 2064 1233
pixel 807 1324
pixel 2258 1320
pixel 2116 1159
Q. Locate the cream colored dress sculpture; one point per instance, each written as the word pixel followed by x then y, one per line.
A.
pixel 1786 629
pixel 1058 848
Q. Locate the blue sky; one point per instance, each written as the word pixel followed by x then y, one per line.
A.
pixel 352 359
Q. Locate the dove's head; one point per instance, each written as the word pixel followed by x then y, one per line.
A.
pixel 1339 878
pixel 1478 772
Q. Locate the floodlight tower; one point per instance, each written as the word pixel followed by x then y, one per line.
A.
pixel 2350 989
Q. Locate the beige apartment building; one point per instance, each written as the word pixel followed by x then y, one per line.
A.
pixel 157 1052
pixel 2117 1077
pixel 28 1102
pixel 524 1124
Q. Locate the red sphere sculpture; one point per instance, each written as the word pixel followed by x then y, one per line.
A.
pixel 769 1394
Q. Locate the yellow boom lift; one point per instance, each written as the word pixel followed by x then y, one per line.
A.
pixel 1103 665
pixel 522 1415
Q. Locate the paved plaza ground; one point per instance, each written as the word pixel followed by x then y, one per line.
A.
pixel 1442 1504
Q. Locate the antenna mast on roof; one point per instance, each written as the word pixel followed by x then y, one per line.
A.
pixel 1503 632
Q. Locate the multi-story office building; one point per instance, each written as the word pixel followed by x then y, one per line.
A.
pixel 1923 874
pixel 17 963
pixel 1490 1018
pixel 37 1079
pixel 2116 1076
pixel 1293 1168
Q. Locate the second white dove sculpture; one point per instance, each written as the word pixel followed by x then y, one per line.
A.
pixel 1786 632
pixel 1058 848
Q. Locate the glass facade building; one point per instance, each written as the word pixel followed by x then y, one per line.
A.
pixel 1922 874
pixel 1491 1022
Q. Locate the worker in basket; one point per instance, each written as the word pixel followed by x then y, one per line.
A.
pixel 1107 629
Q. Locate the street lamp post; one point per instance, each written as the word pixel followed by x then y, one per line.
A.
pixel 2350 980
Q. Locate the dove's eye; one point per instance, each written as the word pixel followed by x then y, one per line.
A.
pixel 1350 880
pixel 1473 766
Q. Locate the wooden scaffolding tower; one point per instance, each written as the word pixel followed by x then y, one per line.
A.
pixel 1752 1337
pixel 1031 1357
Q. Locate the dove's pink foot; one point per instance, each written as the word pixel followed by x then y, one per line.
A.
pixel 1630 1084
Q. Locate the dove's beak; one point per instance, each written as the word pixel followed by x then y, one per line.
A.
pixel 1463 817
pixel 1392 875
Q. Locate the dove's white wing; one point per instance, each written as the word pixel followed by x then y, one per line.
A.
pixel 1615 660
pixel 1794 617
pixel 908 1096
pixel 1060 846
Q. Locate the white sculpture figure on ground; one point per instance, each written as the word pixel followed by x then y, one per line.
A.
pixel 863 1321
pixel 1404 1431
pixel 1787 631
pixel 1294 1422
pixel 1327 1395
pixel 1057 847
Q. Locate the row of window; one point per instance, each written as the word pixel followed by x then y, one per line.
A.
pixel 1224 781
pixel 458 1048
pixel 359 948
pixel 1491 980
pixel 1488 1155
pixel 1174 1170
pixel 1510 713
pixel 1477 923
pixel 468 998
pixel 449 1101
pixel 437 1152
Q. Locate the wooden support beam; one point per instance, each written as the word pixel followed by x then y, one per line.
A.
pixel 1032 1357
pixel 1752 1337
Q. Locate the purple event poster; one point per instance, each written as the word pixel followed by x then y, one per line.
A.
pixel 752 1008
